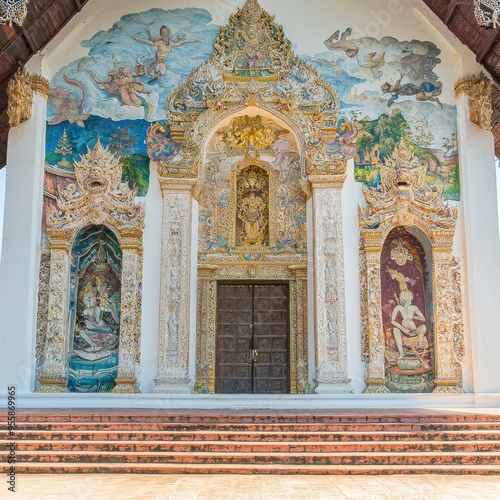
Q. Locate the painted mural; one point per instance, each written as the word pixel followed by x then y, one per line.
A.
pixel 406 317
pixel 389 90
pixel 250 215
pixel 95 311
pixel 118 92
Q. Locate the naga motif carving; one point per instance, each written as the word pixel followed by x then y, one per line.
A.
pixel 253 65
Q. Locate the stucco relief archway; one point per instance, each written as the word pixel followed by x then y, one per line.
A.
pixel 249 108
pixel 252 227
pixel 95 237
pixel 429 347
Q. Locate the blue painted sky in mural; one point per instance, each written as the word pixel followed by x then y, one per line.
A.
pixel 95 128
pixel 359 68
pixel 108 74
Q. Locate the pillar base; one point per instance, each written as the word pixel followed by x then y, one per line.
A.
pixel 376 387
pixel 126 386
pixel 333 387
pixel 448 387
pixel 171 387
pixel 48 386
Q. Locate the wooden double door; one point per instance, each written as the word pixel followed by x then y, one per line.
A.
pixel 252 339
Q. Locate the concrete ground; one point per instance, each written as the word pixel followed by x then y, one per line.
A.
pixel 236 487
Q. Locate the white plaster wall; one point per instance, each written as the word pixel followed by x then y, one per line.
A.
pixel 3 173
pixel 151 282
pixel 21 252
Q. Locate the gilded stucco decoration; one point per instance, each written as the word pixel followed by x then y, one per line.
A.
pixel 252 208
pixel 402 197
pixel 251 201
pixel 173 341
pixel 478 91
pixel 253 65
pixel 20 93
pixel 255 124
pixel 252 226
pixel 404 202
pixel 98 198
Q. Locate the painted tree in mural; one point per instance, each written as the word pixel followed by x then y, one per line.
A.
pixel 64 148
pixel 123 143
pixel 422 133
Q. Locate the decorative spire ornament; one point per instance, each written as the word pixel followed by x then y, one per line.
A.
pixel 13 11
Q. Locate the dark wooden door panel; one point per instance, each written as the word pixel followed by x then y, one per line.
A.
pixel 271 339
pixel 234 339
pixel 250 317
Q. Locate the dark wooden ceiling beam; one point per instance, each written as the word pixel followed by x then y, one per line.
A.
pixel 26 34
pixel 451 10
pixel 493 37
pixel 32 27
pixel 78 5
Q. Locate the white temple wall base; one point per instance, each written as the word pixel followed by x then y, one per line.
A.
pixel 463 402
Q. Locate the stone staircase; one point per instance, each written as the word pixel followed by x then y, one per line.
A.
pixel 286 442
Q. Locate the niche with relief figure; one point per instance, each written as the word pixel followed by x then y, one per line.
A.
pixel 95 310
pixel 411 304
pixel 252 208
pixel 406 314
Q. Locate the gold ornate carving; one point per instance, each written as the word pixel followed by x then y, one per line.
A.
pixel 20 96
pixel 99 197
pixel 400 254
pixel 173 339
pixel 478 91
pixel 403 200
pixel 253 65
pixel 252 216
pixel 329 286
pixel 249 133
pixel 253 46
pixel 20 93
pixel 253 205
pixel 40 85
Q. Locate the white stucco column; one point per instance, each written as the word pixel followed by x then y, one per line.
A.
pixel 482 243
pixel 175 296
pixel 53 372
pixel 329 286
pixel 21 249
pixel 130 324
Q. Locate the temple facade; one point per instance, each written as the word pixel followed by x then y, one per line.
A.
pixel 275 203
